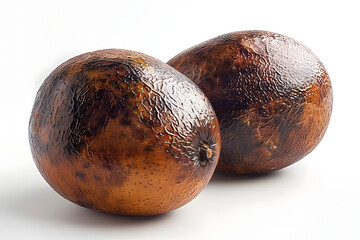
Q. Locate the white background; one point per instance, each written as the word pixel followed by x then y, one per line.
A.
pixel 316 198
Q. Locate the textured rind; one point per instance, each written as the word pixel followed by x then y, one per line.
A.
pixel 271 94
pixel 118 131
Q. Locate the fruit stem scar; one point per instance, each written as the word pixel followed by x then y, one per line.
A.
pixel 205 152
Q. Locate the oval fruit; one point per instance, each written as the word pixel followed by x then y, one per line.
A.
pixel 271 94
pixel 121 132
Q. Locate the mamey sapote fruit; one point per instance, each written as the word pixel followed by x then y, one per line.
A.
pixel 271 94
pixel 121 132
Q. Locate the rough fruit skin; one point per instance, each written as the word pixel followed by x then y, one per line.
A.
pixel 271 94
pixel 119 131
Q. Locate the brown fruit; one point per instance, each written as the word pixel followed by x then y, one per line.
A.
pixel 271 94
pixel 121 132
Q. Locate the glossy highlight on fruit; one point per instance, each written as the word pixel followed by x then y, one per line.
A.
pixel 271 94
pixel 121 132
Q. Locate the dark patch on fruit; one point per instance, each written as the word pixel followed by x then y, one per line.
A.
pixel 81 175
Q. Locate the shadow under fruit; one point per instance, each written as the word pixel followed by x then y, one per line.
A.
pixel 271 94
pixel 121 132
